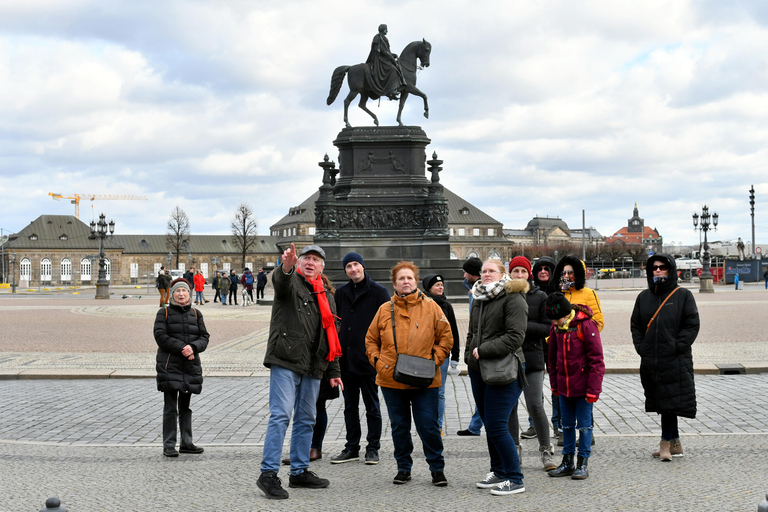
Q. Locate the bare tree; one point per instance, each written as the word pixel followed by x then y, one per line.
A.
pixel 177 233
pixel 615 250
pixel 244 230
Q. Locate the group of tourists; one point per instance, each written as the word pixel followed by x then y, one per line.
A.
pixel 224 285
pixel 524 321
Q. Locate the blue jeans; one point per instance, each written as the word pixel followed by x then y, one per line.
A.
pixel 495 404
pixel 669 429
pixel 556 423
pixel 441 396
pixel 476 423
pixel 354 386
pixel 576 413
pixel 199 296
pixel 422 403
pixel 289 393
pixel 224 298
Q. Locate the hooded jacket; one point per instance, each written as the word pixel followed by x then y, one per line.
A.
pixel 447 308
pixel 176 327
pixel 357 305
pixel 422 330
pixel 666 362
pixel 579 293
pixel 544 261
pixel 576 365
pixel 497 326
pixel 537 329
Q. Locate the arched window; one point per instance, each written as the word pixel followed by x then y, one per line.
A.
pixel 46 270
pixel 473 254
pixel 25 269
pixel 66 269
pixel 85 269
pixel 454 255
pixel 494 255
pixel 108 268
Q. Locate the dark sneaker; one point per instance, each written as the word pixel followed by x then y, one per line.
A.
pixel 401 477
pixel 490 481
pixel 371 456
pixel 191 449
pixel 308 480
pixel 528 434
pixel 170 452
pixel 466 432
pixel 507 487
pixel 272 486
pixel 345 456
pixel 438 479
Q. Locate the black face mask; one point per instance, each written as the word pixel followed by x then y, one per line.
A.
pixel 566 284
pixel 659 279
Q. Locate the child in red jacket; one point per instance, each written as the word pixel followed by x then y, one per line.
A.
pixel 576 371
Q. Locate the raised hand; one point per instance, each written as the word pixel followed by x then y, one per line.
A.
pixel 290 259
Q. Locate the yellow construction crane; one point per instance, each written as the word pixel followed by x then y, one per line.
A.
pixel 75 199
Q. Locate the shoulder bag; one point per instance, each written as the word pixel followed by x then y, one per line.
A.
pixel 411 370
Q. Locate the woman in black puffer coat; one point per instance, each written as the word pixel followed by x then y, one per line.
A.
pixel 664 345
pixel 180 335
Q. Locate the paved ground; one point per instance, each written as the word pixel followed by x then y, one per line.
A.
pixel 96 443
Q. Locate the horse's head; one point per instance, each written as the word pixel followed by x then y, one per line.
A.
pixel 425 48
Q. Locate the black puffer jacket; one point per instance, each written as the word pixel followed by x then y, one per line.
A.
pixel 666 363
pixel 176 327
pixel 537 330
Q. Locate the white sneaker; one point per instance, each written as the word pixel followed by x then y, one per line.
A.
pixel 507 487
pixel 490 481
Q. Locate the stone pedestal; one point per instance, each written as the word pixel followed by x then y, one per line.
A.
pixel 705 285
pixel 383 206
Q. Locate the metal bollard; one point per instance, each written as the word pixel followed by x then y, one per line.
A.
pixel 763 506
pixel 53 505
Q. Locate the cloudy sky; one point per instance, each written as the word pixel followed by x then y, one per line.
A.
pixel 542 107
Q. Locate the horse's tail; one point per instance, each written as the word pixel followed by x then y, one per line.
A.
pixel 336 81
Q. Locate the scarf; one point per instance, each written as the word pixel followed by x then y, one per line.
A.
pixel 329 320
pixel 489 291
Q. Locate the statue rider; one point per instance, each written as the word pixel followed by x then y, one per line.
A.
pixel 384 72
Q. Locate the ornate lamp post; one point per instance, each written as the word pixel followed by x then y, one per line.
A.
pixel 99 230
pixel 13 274
pixel 707 220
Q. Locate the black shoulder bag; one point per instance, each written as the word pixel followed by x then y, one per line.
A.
pixel 411 370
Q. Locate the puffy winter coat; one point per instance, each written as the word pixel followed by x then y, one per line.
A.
pixel 579 293
pixel 297 340
pixel 666 362
pixel 176 327
pixel 576 366
pixel 422 330
pixel 224 284
pixel 536 331
pixel 357 305
pixel 497 326
pixel 199 282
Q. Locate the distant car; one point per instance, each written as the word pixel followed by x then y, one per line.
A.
pixel 175 274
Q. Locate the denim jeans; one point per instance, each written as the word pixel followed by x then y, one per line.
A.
pixel 289 393
pixel 422 404
pixel 354 386
pixel 669 429
pixel 321 425
pixel 199 296
pixel 556 423
pixel 476 423
pixel 495 404
pixel 441 395
pixel 576 413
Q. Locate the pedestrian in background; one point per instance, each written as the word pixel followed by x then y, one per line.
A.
pixel 215 286
pixel 163 286
pixel 434 288
pixel 497 326
pixel 233 280
pixel 247 281
pixel 471 269
pixel 413 324
pixel 181 336
pixel 261 283
pixel 199 282
pixel 664 325
pixel 576 370
pixel 533 349
pixel 224 287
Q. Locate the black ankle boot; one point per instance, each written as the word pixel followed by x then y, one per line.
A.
pixel 581 471
pixel 565 468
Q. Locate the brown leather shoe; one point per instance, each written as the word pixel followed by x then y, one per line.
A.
pixel 664 453
pixel 676 448
pixel 315 454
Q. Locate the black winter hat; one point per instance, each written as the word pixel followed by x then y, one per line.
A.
pixel 558 306
pixel 430 280
pixel 472 266
pixel 350 257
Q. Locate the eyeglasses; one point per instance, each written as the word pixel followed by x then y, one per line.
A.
pixel 483 272
pixel 660 267
pixel 567 272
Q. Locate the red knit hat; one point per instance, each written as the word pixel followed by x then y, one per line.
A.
pixel 520 261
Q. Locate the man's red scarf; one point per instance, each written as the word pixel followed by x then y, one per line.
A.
pixel 329 320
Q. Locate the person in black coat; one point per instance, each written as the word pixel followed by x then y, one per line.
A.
pixel 357 302
pixel 536 331
pixel 180 335
pixel 434 289
pixel 233 280
pixel 261 283
pixel 664 324
pixel 215 286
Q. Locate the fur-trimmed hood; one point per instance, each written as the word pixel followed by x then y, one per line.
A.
pixel 579 273
pixel 516 286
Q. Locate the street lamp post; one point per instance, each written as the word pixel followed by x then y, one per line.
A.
pixel 99 230
pixel 752 207
pixel 707 220
pixel 13 273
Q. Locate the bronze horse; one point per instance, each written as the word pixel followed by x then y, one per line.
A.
pixel 357 85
